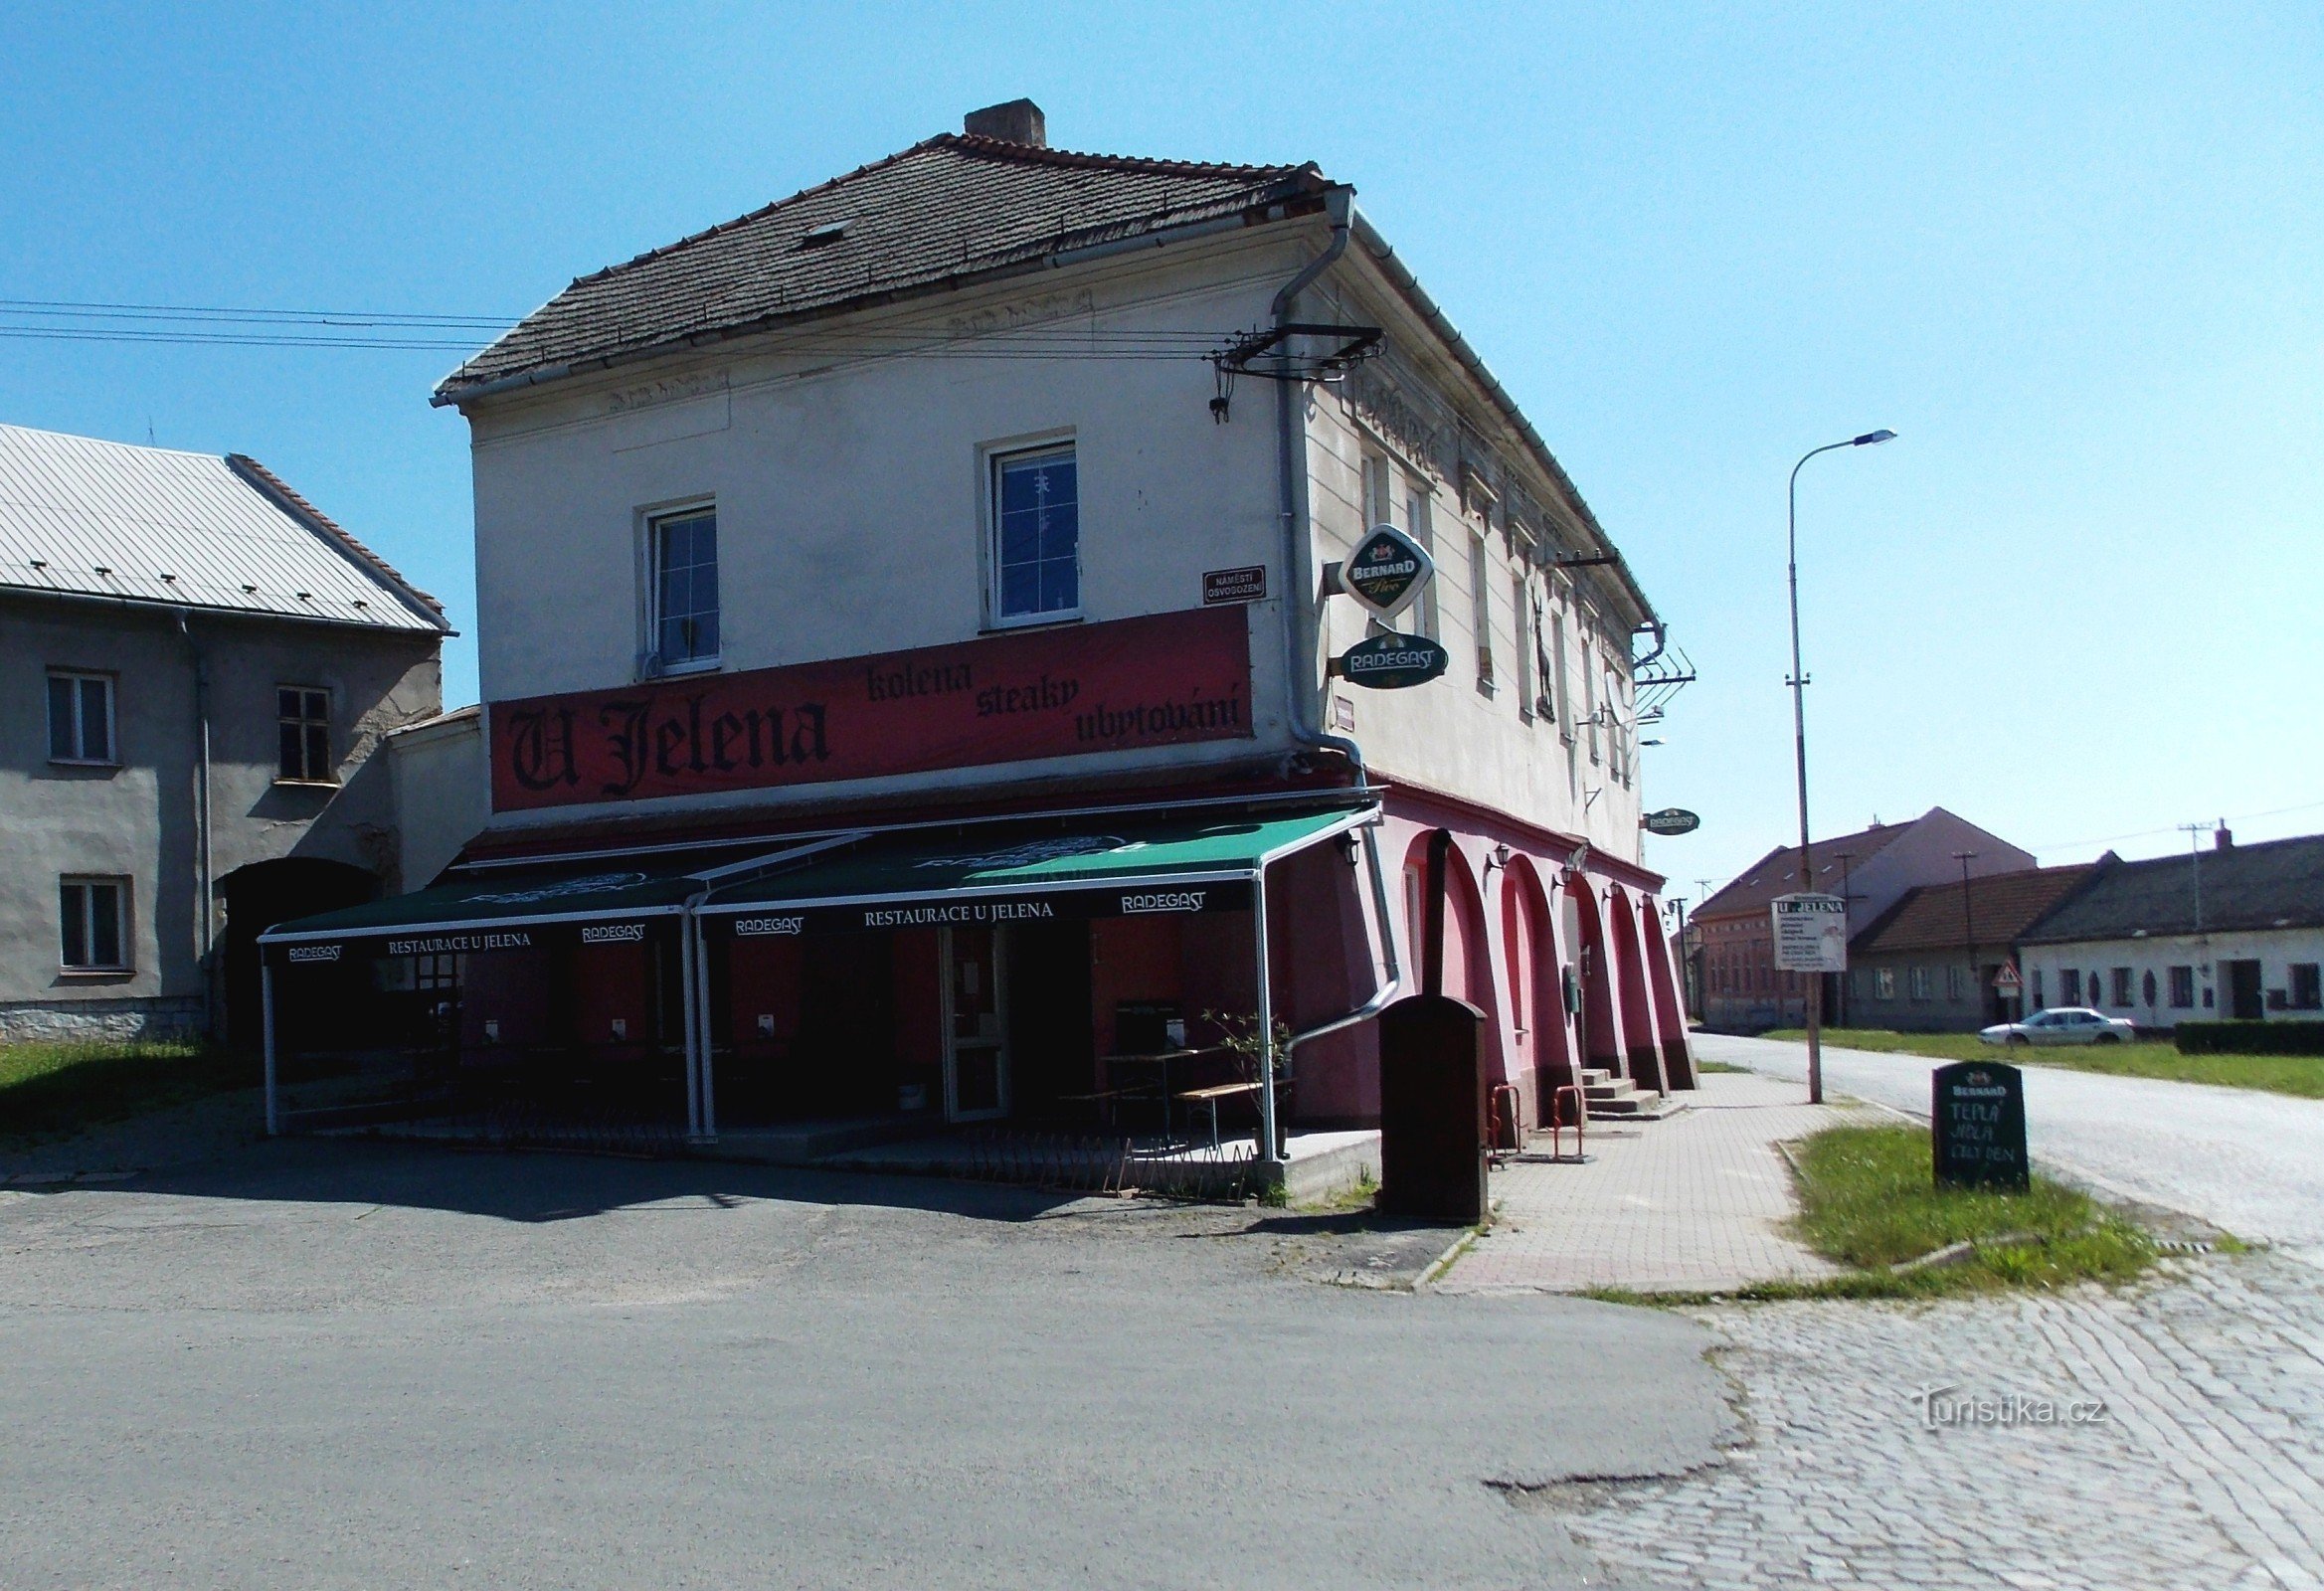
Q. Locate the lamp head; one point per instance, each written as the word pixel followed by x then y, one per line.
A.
pixel 1872 436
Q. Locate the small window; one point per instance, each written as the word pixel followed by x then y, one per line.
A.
pixel 1956 981
pixel 2307 987
pixel 2034 989
pixel 80 718
pixel 303 731
pixel 2147 987
pixel 93 916
pixel 1421 618
pixel 1480 611
pixel 683 549
pixel 2070 986
pixel 1884 983
pixel 2122 985
pixel 1526 645
pixel 1923 986
pixel 2182 988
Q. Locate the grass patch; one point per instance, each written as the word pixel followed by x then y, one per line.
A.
pixel 1867 1200
pixel 2299 1075
pixel 56 1089
pixel 1719 1066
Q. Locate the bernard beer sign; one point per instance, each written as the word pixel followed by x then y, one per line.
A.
pixel 1386 572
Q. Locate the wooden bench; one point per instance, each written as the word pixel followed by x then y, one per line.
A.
pixel 1211 1097
pixel 1105 1102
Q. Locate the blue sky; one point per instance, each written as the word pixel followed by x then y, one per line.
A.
pixel 2074 255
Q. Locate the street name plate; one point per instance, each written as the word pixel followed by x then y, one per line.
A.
pixel 1811 933
pixel 1977 1123
pixel 1220 585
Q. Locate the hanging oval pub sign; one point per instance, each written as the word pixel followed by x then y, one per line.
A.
pixel 1387 570
pixel 1392 663
pixel 1671 821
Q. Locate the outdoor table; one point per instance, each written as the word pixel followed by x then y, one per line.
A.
pixel 1161 1061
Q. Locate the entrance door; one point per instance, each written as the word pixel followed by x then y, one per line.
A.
pixel 2244 1002
pixel 975 1025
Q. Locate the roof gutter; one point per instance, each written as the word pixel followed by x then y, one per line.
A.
pixel 1401 278
pixel 436 630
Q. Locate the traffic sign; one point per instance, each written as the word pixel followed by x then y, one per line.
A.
pixel 1392 663
pixel 2006 979
pixel 1811 933
pixel 1386 572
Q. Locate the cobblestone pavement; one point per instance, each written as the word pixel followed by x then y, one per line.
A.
pixel 1693 1204
pixel 2183 1444
pixel 2249 1161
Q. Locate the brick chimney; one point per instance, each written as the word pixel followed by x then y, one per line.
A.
pixel 1018 121
pixel 2222 839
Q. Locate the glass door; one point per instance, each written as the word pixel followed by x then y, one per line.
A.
pixel 976 1022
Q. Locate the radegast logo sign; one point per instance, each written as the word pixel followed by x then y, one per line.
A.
pixel 1393 662
pixel 1387 570
pixel 763 926
pixel 1671 821
pixel 1172 900
pixel 614 934
pixel 314 953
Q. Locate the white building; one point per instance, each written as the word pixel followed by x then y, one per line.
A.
pixel 919 498
pixel 2233 933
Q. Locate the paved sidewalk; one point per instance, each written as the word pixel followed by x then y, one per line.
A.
pixel 1689 1204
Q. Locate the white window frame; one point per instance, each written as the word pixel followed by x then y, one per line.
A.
pixel 996 458
pixel 79 677
pixel 1524 642
pixel 330 774
pixel 1481 608
pixel 124 927
pixel 651 663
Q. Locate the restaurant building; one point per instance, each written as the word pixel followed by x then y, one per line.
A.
pixel 908 624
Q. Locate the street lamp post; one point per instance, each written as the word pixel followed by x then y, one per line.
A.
pixel 1799 732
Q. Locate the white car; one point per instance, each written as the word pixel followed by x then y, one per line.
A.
pixel 2066 1025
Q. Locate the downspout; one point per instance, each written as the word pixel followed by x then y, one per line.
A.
pixel 205 907
pixel 1297 652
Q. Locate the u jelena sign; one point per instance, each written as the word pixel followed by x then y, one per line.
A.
pixel 1159 680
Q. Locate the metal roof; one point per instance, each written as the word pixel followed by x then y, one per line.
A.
pixel 82 517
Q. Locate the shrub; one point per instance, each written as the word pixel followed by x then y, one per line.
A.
pixel 2250 1038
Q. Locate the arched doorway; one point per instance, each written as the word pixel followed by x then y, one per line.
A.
pixel 1542 1060
pixel 1670 1009
pixel 256 898
pixel 1600 1038
pixel 1645 1057
pixel 1468 964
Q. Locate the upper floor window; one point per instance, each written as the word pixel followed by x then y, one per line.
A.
pixel 683 551
pixel 80 718
pixel 1525 644
pixel 302 717
pixel 1036 535
pixel 1481 608
pixel 92 914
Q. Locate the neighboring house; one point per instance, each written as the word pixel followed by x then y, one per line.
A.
pixel 1743 990
pixel 195 668
pixel 910 519
pixel 1934 962
pixel 2235 932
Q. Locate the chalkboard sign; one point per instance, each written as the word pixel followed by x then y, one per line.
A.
pixel 1977 1120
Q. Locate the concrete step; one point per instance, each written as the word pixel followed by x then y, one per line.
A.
pixel 1609 1090
pixel 1636 1107
pixel 1595 1073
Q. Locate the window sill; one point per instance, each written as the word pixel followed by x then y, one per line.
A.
pixel 84 762
pixel 999 626
pixel 95 975
pixel 692 665
pixel 306 783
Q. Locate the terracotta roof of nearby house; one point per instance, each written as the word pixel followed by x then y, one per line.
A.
pixel 85 517
pixel 2276 884
pixel 1777 873
pixel 943 212
pixel 2000 907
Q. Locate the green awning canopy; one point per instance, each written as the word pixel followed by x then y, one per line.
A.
pixel 502 907
pixel 1188 861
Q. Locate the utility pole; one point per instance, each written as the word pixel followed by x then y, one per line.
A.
pixel 2195 859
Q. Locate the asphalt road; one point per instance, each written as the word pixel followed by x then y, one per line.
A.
pixel 347 1364
pixel 2247 1162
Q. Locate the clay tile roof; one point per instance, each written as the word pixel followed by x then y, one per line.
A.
pixel 948 210
pixel 2000 906
pixel 2275 884
pixel 1777 873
